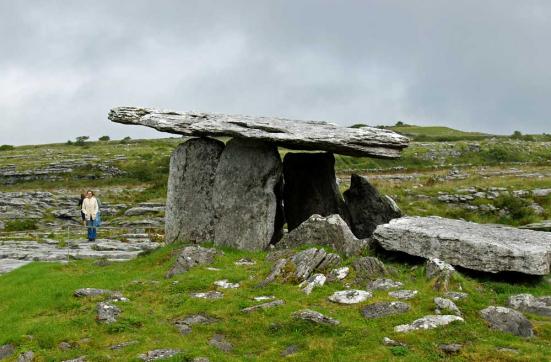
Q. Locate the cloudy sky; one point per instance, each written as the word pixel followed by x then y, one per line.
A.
pixel 474 65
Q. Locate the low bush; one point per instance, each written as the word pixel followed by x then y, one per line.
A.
pixel 21 225
pixel 6 148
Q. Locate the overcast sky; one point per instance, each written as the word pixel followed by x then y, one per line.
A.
pixel 473 65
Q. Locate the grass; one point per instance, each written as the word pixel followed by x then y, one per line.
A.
pixel 44 314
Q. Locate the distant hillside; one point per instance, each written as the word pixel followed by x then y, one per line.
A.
pixel 437 133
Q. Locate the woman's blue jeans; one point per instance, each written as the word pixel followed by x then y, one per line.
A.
pixel 91 229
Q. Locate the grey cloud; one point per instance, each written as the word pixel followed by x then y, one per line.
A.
pixel 472 65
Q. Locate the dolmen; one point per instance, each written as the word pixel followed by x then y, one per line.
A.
pixel 241 194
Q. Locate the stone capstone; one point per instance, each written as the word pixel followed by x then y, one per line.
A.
pixel 489 248
pixel 308 135
pixel 248 212
pixel 190 210
pixel 367 207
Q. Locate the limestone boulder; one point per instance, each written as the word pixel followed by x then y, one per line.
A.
pixel 507 320
pixel 193 256
pixel 367 207
pixel 531 304
pixel 310 187
pixel 488 248
pixel 247 205
pixel 326 231
pixel 190 210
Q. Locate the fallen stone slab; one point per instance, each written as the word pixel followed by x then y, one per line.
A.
pixel 158 354
pixel 329 231
pixel 383 309
pixel 531 304
pixel 263 306
pixel 428 322
pixel 308 135
pixel 316 317
pixel 189 209
pixel 367 207
pixel 352 296
pixel 507 320
pixel 488 248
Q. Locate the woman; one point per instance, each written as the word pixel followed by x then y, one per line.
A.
pixel 90 209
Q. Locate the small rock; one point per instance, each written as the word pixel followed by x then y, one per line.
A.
pixel 450 348
pixel 208 295
pixel 292 349
pixel 264 297
pixel 316 317
pixel 403 294
pixel 200 359
pixel 339 273
pixel 7 350
pixel 428 322
pixel 353 296
pixel 507 350
pixel 184 325
pixel 78 359
pixel 107 313
pixel 383 284
pixel 316 280
pixel 507 320
pixel 93 292
pixel 26 357
pixel 392 343
pixel 192 256
pixel 443 304
pixel 245 261
pixel 456 295
pixel 220 342
pixel 267 305
pixel 225 284
pixel 383 309
pixel 277 270
pixel 158 354
pixel 369 267
pixel 65 346
pixel 529 303
pixel 123 345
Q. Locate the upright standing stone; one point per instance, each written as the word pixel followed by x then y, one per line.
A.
pixel 310 187
pixel 247 210
pixel 367 207
pixel 189 209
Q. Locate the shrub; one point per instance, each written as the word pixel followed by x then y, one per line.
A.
pixel 21 225
pixel 126 140
pixel 6 148
pixel 104 138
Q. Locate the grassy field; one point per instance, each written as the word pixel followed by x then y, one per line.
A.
pixel 44 314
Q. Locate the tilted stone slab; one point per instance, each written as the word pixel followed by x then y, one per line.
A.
pixel 301 135
pixel 489 248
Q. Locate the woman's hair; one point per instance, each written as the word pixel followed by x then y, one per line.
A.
pixel 90 191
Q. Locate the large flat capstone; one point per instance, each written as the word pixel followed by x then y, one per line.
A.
pixel 301 135
pixel 483 247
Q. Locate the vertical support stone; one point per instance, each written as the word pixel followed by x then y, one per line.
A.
pixel 247 209
pixel 310 187
pixel 367 207
pixel 189 210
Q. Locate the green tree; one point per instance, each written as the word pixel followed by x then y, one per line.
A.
pixel 104 138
